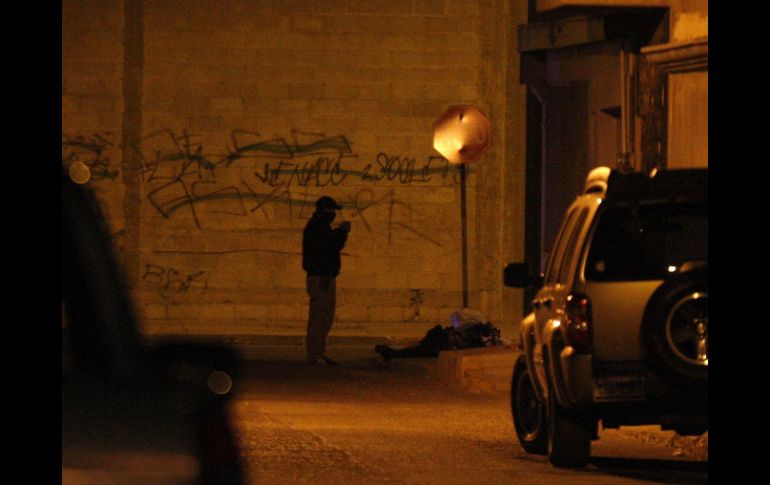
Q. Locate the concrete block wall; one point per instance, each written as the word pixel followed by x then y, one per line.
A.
pixel 92 100
pixel 689 20
pixel 250 110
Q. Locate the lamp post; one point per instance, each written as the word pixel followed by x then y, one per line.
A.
pixel 461 135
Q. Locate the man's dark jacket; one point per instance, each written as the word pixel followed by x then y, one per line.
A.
pixel 321 246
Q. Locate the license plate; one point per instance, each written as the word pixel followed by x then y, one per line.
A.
pixel 619 388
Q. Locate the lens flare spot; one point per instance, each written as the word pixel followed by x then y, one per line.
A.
pixel 220 383
pixel 80 173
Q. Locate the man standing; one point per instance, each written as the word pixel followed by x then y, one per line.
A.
pixel 321 246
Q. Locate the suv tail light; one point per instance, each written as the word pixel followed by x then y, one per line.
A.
pixel 579 332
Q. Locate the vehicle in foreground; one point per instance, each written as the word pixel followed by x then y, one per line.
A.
pixel 133 413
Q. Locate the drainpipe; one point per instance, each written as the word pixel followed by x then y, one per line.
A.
pixel 626 158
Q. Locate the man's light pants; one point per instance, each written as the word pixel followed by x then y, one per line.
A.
pixel 322 291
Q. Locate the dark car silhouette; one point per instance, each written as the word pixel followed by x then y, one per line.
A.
pixel 133 412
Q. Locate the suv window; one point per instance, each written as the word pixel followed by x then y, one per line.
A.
pixel 557 254
pixel 569 253
pixel 647 241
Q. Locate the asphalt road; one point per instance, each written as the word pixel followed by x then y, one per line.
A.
pixel 365 422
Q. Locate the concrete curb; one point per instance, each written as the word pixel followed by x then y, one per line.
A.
pixel 257 340
pixel 479 370
pixel 476 370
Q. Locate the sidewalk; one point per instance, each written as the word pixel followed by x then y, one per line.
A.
pixel 478 370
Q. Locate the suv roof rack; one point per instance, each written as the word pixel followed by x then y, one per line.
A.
pixel 689 184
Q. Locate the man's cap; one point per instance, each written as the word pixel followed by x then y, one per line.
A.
pixel 326 201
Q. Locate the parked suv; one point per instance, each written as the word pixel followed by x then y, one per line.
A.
pixel 618 332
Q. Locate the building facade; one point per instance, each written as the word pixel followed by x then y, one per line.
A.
pixel 620 83
pixel 207 129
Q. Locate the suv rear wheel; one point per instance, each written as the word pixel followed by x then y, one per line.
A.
pixel 528 412
pixel 675 327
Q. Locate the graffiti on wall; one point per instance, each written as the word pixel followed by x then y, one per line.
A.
pixel 91 150
pixel 253 173
pixel 181 175
pixel 415 301
pixel 167 280
pixel 324 171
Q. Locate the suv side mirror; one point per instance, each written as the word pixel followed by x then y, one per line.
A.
pixel 518 275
